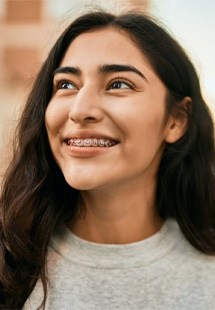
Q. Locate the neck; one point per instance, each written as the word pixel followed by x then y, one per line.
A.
pixel 119 216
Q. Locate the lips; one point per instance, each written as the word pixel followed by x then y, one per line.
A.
pixel 91 142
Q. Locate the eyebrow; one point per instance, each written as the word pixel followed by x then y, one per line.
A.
pixel 70 70
pixel 109 68
pixel 121 68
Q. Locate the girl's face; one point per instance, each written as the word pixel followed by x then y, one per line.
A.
pixel 105 121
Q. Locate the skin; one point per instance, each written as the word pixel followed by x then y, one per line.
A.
pixel 117 184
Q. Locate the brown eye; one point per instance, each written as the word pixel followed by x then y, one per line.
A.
pixel 66 85
pixel 118 84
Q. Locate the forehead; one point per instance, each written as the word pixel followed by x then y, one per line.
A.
pixel 105 44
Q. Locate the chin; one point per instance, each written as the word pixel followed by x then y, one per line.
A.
pixel 83 178
pixel 80 184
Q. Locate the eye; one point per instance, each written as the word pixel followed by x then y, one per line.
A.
pixel 67 85
pixel 117 84
pixel 63 84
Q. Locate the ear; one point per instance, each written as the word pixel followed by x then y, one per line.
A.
pixel 178 121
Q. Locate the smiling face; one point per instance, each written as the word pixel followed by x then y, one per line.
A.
pixel 105 120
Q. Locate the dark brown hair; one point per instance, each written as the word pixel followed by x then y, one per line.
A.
pixel 35 197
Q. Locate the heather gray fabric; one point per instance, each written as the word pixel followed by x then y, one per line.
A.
pixel 163 272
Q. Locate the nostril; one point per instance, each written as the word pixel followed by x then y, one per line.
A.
pixel 81 119
pixel 85 115
pixel 90 118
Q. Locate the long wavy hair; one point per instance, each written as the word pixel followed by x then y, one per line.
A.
pixel 35 197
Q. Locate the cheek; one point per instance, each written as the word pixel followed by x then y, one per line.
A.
pixel 54 118
pixel 143 123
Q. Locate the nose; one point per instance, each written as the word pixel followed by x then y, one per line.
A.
pixel 86 106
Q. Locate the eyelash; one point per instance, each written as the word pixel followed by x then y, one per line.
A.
pixel 58 83
pixel 121 80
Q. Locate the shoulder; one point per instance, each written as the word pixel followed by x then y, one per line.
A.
pixel 35 299
pixel 187 257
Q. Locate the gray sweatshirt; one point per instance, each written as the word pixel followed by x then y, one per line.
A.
pixel 163 272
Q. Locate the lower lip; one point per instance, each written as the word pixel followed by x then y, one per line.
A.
pixel 87 151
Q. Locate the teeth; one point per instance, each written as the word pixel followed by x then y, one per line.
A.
pixel 94 142
pixel 91 142
pixel 101 142
pixel 87 142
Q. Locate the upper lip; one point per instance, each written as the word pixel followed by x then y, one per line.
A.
pixel 87 134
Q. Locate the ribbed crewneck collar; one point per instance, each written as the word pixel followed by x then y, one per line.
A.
pixel 112 256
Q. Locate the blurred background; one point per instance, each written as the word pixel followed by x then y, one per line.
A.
pixel 28 28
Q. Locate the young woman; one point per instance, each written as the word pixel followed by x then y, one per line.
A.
pixel 109 201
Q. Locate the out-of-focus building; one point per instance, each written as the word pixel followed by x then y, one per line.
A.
pixel 21 33
pixel 22 26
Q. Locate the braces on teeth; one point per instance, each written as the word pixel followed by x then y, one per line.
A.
pixel 91 142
